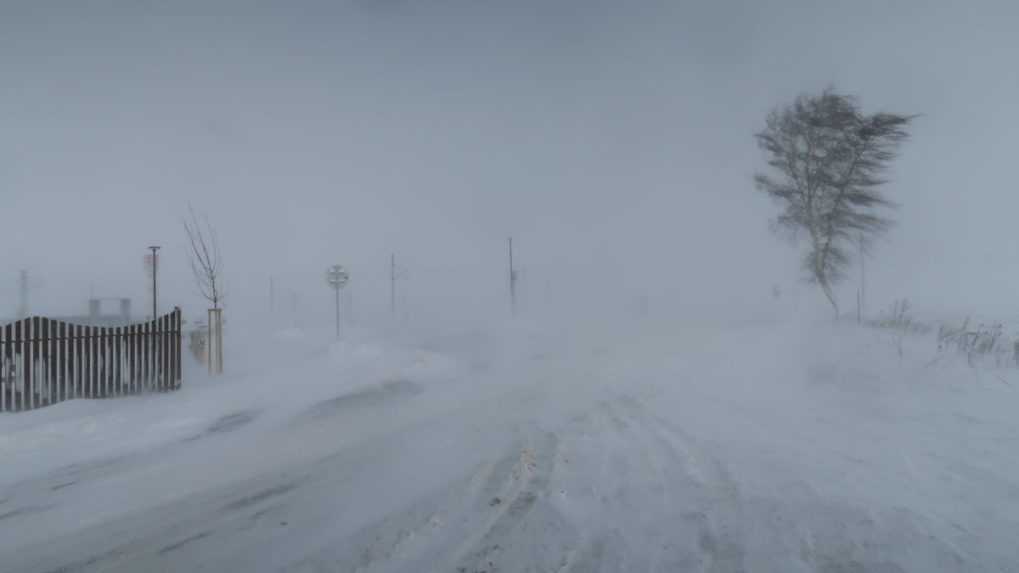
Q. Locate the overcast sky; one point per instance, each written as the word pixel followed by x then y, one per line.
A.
pixel 609 138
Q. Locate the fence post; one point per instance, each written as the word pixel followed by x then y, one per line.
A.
pixel 132 363
pixel 178 374
pixel 3 370
pixel 45 361
pixel 164 379
pixel 103 363
pixel 62 363
pixel 94 358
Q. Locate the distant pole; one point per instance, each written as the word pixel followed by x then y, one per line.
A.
pixel 863 277
pixel 23 294
pixel 392 284
pixel 272 296
pixel 337 277
pixel 512 281
pixel 155 268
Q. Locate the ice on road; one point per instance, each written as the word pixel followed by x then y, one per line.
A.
pixel 754 447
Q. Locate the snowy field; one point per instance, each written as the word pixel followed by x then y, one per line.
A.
pixel 773 447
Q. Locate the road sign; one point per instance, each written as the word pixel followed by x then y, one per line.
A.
pixel 337 277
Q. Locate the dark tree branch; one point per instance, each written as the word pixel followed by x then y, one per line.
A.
pixel 827 159
pixel 206 262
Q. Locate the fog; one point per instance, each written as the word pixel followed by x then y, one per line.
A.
pixel 612 140
pixel 666 394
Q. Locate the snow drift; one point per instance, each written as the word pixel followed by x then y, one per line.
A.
pixel 739 447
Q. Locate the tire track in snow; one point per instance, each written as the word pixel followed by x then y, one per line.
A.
pixel 719 513
pixel 627 495
pixel 478 522
pixel 520 491
pixel 46 486
pixel 648 464
pixel 584 479
pixel 389 543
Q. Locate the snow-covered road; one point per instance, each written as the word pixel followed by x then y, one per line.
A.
pixel 738 448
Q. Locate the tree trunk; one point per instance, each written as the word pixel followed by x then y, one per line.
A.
pixel 819 274
pixel 830 296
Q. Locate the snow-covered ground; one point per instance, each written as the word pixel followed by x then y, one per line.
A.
pixel 756 446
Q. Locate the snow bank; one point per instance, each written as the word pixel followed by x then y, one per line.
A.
pixel 734 446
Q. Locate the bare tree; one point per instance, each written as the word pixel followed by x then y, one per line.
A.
pixel 206 261
pixel 828 160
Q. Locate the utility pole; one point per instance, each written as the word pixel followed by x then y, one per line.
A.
pixel 350 304
pixel 155 268
pixel 25 286
pixel 23 294
pixel 395 274
pixel 861 293
pixel 392 284
pixel 272 296
pixel 512 281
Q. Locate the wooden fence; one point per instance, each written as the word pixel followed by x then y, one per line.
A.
pixel 45 361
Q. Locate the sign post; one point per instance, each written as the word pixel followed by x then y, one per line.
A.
pixel 337 277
